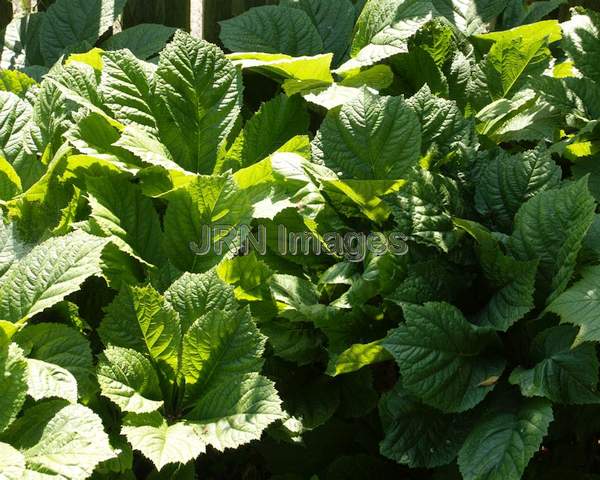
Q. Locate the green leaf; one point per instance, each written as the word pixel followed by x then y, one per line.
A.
pixel 14 117
pixel 197 99
pixel 144 40
pixel 49 273
pixel 218 348
pixel 512 281
pixel 11 246
pixel 356 357
pixel 63 346
pixel 561 373
pixel 47 380
pixel 194 295
pixel 548 29
pixel 444 129
pixel 299 74
pixel 507 181
pixel 60 441
pixel 140 319
pixel 128 379
pixel 371 137
pixel 121 212
pixel 16 82
pixel 75 25
pixel 551 227
pixel 384 27
pixel 444 360
pixel 580 304
pixel 470 16
pixel 510 62
pixel 417 435
pixel 502 443
pixel 10 183
pixel 13 383
pixel 236 412
pixel 194 211
pixel 276 122
pixel 582 41
pixel 12 463
pixel 272 29
pixel 334 20
pixel 160 442
pixel 125 88
pixel 424 208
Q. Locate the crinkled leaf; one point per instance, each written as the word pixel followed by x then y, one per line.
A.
pixel 128 379
pixel 60 441
pixel 371 137
pixel 272 29
pixel 551 227
pixel 141 320
pixel 236 412
pixel 47 380
pixel 561 373
pixel 13 383
pixel 49 273
pixel 160 442
pixel 417 435
pixel 444 359
pixel 144 40
pixel 501 444
pixel 197 98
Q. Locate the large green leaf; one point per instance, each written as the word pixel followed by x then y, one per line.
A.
pixel 160 442
pixel 13 383
pixel 272 29
pixel 424 208
pixel 11 247
pixel 200 217
pixel 512 281
pixel 75 25
pixel 63 346
pixel 236 412
pixel 444 129
pixel 580 305
pixel 144 40
pixel 47 380
pixel 140 319
pixel 128 379
pixel 125 87
pixel 60 441
pixel 417 435
pixel 384 27
pixel 334 20
pixel 12 463
pixel 551 227
pixel 14 117
pixel 470 16
pixel 444 361
pixel 371 137
pixel 121 212
pixel 274 124
pixel 506 181
pixel 195 295
pixel 49 273
pixel 10 183
pixel 502 443
pixel 560 373
pixel 582 42
pixel 219 348
pixel 197 98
